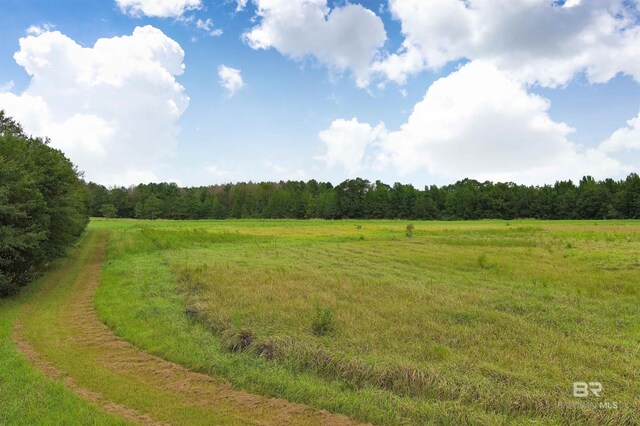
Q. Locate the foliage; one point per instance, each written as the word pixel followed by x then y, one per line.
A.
pixel 43 204
pixel 323 323
pixel 360 199
pixel 109 211
pixel 409 230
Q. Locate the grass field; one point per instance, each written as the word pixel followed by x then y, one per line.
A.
pixel 477 322
pixel 58 332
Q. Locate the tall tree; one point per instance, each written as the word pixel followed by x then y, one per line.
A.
pixel 44 205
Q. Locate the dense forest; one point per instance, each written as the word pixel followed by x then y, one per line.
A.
pixel 43 204
pixel 360 199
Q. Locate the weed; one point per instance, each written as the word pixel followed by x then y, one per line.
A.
pixel 240 342
pixel 324 323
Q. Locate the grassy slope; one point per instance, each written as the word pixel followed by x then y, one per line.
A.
pixel 492 314
pixel 27 397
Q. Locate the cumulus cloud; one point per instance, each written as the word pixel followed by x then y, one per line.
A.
pixel 230 79
pixel 477 122
pixel 158 8
pixel 343 38
pixel 535 41
pixel 347 143
pixel 623 139
pixel 112 108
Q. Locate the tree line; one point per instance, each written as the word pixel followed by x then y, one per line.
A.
pixel 361 199
pixel 44 204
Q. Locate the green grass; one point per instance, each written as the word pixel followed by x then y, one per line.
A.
pixel 464 322
pixel 27 397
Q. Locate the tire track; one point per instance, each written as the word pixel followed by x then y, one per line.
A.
pixel 97 348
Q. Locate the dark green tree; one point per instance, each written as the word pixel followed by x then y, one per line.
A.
pixel 44 205
pixel 109 211
pixel 153 207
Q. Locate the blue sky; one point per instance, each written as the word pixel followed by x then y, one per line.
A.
pixel 328 89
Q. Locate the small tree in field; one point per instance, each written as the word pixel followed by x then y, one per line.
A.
pixel 108 211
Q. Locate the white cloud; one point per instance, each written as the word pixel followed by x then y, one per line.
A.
pixel 532 40
pixel 39 29
pixel 240 5
pixel 230 79
pixel 477 122
pixel 112 108
pixel 6 87
pixel 626 138
pixel 343 38
pixel 158 8
pixel 208 27
pixel 347 142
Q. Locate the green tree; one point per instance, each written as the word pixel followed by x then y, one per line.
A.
pixel 109 211
pixel 139 211
pixel 44 205
pixel 153 207
pixel 217 209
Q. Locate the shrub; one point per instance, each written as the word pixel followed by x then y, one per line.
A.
pixel 409 230
pixel 323 323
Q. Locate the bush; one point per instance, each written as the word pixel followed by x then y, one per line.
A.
pixel 323 323
pixel 409 230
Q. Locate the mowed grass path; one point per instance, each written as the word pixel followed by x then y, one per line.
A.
pixel 59 332
pixel 463 323
pixel 27 396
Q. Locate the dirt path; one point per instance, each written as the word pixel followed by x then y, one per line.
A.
pixel 60 333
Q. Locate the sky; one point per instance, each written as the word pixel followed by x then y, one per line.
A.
pixel 202 92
